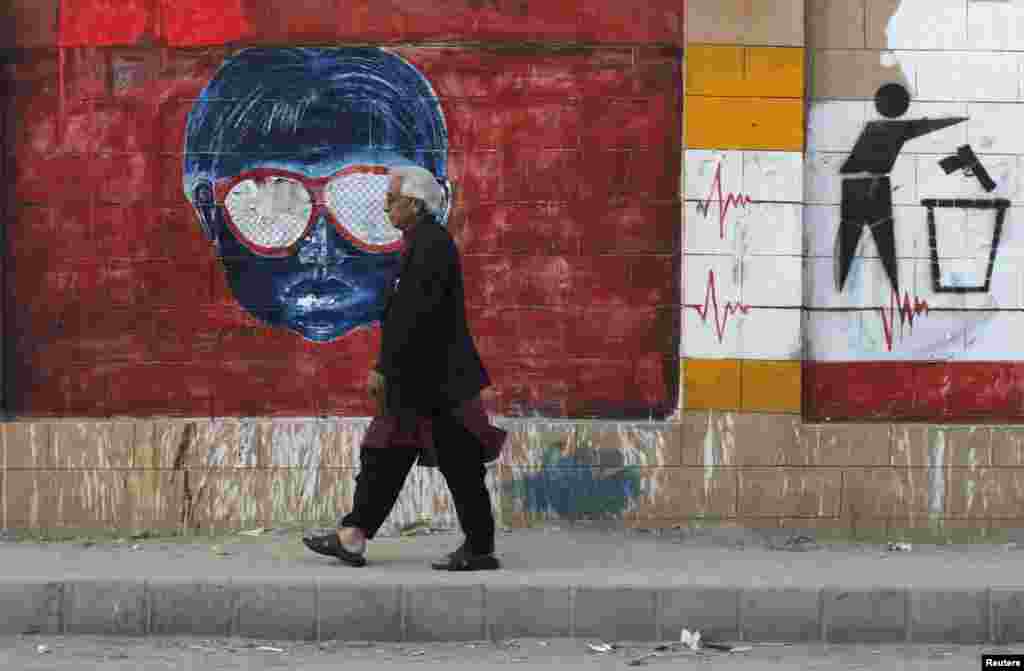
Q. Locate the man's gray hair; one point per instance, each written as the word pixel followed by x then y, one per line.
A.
pixel 419 183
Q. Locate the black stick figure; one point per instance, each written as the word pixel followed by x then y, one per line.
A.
pixel 867 201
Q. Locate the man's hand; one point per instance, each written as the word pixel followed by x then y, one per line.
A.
pixel 375 384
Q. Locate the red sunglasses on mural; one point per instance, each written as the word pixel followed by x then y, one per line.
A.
pixel 270 210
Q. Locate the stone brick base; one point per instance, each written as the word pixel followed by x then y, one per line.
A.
pixel 708 469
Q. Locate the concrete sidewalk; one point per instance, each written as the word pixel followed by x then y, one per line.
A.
pixel 584 583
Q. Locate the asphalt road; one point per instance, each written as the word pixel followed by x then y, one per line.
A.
pixel 23 653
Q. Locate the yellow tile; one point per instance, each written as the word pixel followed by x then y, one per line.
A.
pixel 751 72
pixel 744 123
pixel 715 70
pixel 771 386
pixel 776 72
pixel 712 384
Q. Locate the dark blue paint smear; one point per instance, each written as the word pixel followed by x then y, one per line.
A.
pixel 567 486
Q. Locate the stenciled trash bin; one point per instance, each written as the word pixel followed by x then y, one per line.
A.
pixel 997 205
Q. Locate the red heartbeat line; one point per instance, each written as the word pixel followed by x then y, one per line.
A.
pixel 907 313
pixel 725 202
pixel 712 297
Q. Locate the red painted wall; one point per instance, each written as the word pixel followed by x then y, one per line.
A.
pixel 567 218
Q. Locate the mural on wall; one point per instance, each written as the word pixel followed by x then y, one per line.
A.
pixel 867 201
pixel 918 320
pixel 226 252
pixel 743 276
pixel 286 160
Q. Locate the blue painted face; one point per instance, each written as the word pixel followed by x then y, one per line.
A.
pixel 289 180
pixel 332 278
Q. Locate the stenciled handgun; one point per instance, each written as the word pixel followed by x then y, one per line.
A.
pixel 966 160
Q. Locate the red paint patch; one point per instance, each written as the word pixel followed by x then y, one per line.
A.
pixel 603 176
pixel 650 279
pixel 632 21
pixel 482 232
pixel 654 175
pixel 102 23
pixel 545 280
pixel 626 123
pixel 74 237
pixel 114 336
pixel 124 127
pixel 652 377
pixel 919 391
pixel 281 385
pixel 600 281
pixel 556 231
pixel 543 332
pixel 29 234
pixel 933 383
pixel 984 389
pixel 86 73
pixel 608 383
pixel 639 228
pixel 192 23
pixel 880 390
pixel 597 332
pixel 125 178
pixel 552 175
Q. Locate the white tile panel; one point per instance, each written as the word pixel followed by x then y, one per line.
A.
pixel 967 76
pixel 697 270
pixel 835 125
pixel 704 233
pixel 995 128
pixel 821 227
pixel 762 333
pixel 972 273
pixel 995 25
pixel 928 24
pixel 760 228
pixel 823 182
pixel 1008 281
pixel 761 175
pixel 771 334
pixel 995 336
pixel 887 334
pixel 867 285
pixel 821 223
pixel 702 166
pixel 933 182
pixel 775 281
pixel 906 61
pixel 701 339
pixel 910 223
pixel 832 336
pixel 950 224
pixel 821 178
pixel 711 306
pixel 943 141
pixel 1018 195
pixel 773 176
pixel 772 228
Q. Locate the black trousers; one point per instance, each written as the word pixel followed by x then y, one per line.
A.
pixel 383 471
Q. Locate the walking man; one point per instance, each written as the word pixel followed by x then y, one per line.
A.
pixel 427 385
